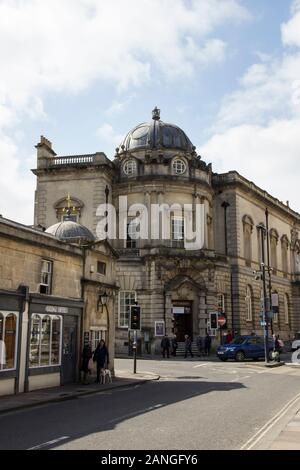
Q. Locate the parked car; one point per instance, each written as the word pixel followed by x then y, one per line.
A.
pixel 244 347
pixel 296 342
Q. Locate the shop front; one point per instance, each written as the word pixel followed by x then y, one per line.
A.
pixel 39 341
pixel 53 342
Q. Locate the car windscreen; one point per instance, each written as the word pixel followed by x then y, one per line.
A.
pixel 239 340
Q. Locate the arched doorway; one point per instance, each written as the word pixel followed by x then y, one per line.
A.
pixel 185 307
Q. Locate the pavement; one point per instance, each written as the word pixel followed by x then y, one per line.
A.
pixel 68 392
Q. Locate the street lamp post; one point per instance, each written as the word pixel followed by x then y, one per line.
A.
pixel 263 270
pixel 269 267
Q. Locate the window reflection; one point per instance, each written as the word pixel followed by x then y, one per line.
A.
pixel 8 340
pixel 45 342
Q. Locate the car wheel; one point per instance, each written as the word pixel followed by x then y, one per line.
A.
pixel 240 356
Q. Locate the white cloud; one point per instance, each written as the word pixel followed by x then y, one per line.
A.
pixel 257 127
pixel 16 192
pixel 64 46
pixel 108 135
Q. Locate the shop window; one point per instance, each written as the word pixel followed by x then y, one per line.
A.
pixel 126 300
pixel 46 277
pixel 45 340
pixel 8 340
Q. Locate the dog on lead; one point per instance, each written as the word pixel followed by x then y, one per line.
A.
pixel 105 376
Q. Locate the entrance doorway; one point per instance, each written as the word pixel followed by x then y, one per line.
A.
pixel 69 358
pixel 183 319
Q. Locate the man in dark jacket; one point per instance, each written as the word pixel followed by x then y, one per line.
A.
pixel 165 345
pixel 101 357
pixel 207 344
pixel 188 346
pixel 85 357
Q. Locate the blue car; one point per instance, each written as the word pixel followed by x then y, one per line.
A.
pixel 244 347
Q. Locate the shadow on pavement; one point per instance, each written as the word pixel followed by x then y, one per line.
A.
pixel 98 413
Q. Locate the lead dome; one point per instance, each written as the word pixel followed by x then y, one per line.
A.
pixel 156 135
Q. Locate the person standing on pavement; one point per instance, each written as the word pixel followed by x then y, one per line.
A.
pixel 188 346
pixel 174 346
pixel 277 348
pixel 229 337
pixel 165 345
pixel 101 357
pixel 85 358
pixel 200 345
pixel 207 344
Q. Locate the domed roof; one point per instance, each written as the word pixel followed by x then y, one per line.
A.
pixel 156 134
pixel 71 232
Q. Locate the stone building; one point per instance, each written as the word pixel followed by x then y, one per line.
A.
pixel 179 288
pixel 52 287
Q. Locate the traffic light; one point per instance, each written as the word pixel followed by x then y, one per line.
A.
pixel 214 321
pixel 135 317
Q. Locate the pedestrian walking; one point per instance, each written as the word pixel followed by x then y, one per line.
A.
pixel 165 345
pixel 229 337
pixel 188 346
pixel 276 348
pixel 200 345
pixel 174 345
pixel 207 344
pixel 101 357
pixel 85 362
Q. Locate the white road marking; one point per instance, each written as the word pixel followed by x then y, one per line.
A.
pixel 48 443
pixel 199 365
pixel 135 413
pixel 264 429
pixel 237 379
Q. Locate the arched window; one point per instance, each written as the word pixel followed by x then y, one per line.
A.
pixel 273 248
pixel 247 232
pixel 284 254
pixel 248 302
pixel 8 340
pixel 286 309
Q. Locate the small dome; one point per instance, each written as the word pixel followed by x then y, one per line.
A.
pixel 72 232
pixel 156 134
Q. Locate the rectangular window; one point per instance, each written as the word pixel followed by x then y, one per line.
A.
pixel 45 340
pixel 131 230
pixel 101 267
pixel 177 231
pixel 96 336
pixel 8 340
pixel 46 277
pixel 126 300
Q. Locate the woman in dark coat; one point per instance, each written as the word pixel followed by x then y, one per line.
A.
pixel 101 357
pixel 85 357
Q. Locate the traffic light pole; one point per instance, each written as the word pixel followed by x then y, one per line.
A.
pixel 265 319
pixel 134 351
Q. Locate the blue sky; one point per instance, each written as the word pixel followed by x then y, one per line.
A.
pixel 226 71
